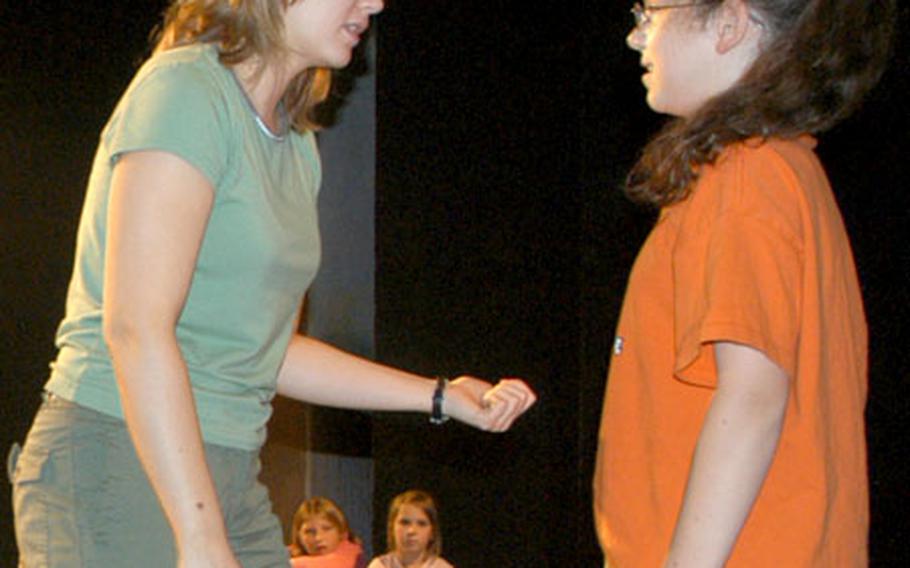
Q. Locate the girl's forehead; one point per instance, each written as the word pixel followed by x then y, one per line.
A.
pixel 412 511
pixel 320 519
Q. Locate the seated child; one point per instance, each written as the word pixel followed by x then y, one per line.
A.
pixel 321 537
pixel 413 534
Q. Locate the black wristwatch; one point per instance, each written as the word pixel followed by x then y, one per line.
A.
pixel 437 417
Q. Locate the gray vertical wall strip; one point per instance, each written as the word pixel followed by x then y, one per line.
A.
pixel 341 306
pixel 341 298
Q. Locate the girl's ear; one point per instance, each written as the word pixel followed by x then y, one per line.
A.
pixel 732 23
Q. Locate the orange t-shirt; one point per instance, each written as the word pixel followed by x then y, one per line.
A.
pixel 756 255
pixel 347 555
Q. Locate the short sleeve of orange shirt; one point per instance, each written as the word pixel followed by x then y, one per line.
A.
pixel 738 265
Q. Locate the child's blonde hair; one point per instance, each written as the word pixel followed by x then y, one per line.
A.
pixel 316 507
pixel 424 501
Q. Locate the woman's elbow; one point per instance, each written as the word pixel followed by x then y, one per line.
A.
pixel 125 332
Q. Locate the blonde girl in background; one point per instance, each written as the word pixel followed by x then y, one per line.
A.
pixel 197 241
pixel 413 533
pixel 322 538
pixel 732 431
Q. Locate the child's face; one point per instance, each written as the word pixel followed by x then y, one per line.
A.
pixel 319 536
pixel 413 530
pixel 676 52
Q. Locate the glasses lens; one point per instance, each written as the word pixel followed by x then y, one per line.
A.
pixel 638 12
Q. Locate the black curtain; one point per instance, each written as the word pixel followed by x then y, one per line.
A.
pixel 502 242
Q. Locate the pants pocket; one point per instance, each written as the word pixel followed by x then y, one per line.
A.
pixel 11 459
pixel 27 470
pixel 43 492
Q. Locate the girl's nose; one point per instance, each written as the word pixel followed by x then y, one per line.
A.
pixel 636 39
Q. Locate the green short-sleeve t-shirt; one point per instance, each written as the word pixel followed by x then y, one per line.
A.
pixel 259 253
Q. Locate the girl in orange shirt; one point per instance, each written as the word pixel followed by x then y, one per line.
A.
pixel 732 431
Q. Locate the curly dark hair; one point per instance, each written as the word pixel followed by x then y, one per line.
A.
pixel 822 58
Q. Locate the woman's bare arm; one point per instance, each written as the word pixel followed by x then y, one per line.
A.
pixel 157 214
pixel 321 374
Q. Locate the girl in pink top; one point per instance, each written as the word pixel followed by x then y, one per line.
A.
pixel 413 534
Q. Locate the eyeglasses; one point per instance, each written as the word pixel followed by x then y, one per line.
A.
pixel 642 14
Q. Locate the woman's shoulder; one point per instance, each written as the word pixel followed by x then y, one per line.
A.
pixel 192 65
pixel 197 54
pixel 179 101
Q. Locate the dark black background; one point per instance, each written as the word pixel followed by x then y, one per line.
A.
pixel 502 242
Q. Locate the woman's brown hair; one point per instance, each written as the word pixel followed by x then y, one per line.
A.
pixel 242 29
pixel 820 60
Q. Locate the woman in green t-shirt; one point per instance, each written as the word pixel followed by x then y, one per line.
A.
pixel 197 241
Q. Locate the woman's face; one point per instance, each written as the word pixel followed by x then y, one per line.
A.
pixel 323 33
pixel 413 530
pixel 676 53
pixel 319 536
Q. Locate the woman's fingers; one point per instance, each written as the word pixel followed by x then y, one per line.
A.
pixel 488 407
pixel 506 401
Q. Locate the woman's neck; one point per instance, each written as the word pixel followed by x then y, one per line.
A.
pixel 264 85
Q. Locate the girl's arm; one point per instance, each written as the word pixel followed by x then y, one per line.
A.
pixel 315 372
pixel 734 450
pixel 159 206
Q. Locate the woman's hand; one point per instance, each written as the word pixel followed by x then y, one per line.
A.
pixel 485 406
